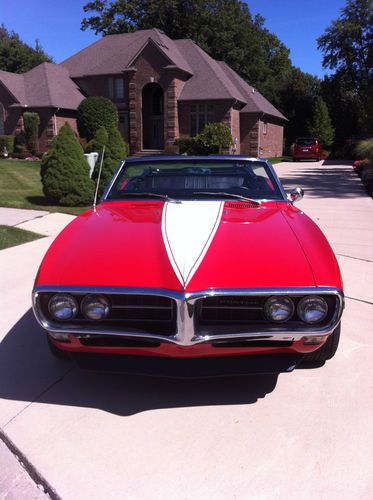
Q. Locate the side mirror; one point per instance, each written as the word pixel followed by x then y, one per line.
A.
pixel 296 194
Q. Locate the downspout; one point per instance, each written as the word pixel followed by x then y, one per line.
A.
pixel 55 122
pixel 259 134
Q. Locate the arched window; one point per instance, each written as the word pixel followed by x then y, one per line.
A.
pixel 2 119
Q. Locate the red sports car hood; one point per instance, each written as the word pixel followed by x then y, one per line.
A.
pixel 192 245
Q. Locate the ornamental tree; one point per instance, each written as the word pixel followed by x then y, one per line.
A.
pixel 321 124
pixel 65 171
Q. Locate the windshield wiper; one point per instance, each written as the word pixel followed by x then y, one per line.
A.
pixel 149 195
pixel 228 195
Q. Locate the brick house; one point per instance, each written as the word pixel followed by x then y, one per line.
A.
pixel 163 89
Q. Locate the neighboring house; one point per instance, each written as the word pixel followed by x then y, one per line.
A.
pixel 164 89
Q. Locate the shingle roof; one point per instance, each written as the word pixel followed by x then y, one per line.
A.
pixel 14 83
pixel 46 85
pixel 114 53
pixel 209 81
pixel 255 102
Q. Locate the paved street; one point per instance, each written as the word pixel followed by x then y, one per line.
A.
pixel 304 435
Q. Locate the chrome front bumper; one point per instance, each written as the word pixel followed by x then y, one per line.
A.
pixel 186 334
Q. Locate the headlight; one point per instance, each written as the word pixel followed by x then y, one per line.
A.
pixel 312 309
pixel 63 307
pixel 95 307
pixel 279 309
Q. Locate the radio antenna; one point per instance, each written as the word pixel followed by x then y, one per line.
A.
pixel 98 179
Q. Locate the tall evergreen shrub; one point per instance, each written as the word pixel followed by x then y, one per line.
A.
pixel 321 124
pixel 31 122
pixel 65 171
pixel 115 150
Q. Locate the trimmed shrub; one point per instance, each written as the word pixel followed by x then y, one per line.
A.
pixel 215 137
pixel 31 122
pixel 93 113
pixel 212 140
pixel 115 150
pixel 65 171
pixel 7 142
pixel 188 146
pixel 364 149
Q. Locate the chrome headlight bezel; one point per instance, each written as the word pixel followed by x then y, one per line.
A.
pixel 279 301
pixel 315 300
pixel 57 300
pixel 90 306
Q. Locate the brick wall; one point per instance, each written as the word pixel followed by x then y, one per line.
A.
pixel 271 138
pixel 249 134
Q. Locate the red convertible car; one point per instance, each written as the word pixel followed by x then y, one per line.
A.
pixel 192 263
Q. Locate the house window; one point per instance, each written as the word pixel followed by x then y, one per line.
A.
pixel 200 115
pixel 264 127
pixel 116 88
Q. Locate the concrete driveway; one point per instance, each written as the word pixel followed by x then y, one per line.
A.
pixel 304 435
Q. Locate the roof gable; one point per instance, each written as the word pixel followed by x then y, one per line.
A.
pixel 114 54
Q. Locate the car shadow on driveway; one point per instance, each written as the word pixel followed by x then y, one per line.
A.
pixel 28 372
pixel 325 182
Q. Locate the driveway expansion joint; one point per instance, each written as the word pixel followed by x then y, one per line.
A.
pixel 60 379
pixel 359 300
pixel 351 257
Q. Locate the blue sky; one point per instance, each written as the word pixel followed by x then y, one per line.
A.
pixel 297 23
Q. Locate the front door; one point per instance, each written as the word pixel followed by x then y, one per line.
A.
pixel 152 116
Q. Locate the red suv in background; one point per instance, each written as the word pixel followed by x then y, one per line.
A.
pixel 307 148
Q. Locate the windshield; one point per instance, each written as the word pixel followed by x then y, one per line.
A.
pixel 196 179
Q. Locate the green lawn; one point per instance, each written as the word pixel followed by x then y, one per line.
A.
pixel 12 236
pixel 20 187
pixel 279 159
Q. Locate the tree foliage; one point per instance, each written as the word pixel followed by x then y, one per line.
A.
pixel 321 124
pixel 93 113
pixel 347 45
pixel 65 171
pixel 16 56
pixel 31 123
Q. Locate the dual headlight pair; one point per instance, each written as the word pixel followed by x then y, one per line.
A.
pixel 64 307
pixel 311 309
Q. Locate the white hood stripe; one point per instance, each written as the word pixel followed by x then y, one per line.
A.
pixel 188 229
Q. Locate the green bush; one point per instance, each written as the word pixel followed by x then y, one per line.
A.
pixel 31 122
pixel 93 113
pixel 215 137
pixel 188 146
pixel 115 150
pixel 364 149
pixel 65 171
pixel 212 140
pixel 7 141
pixel 97 143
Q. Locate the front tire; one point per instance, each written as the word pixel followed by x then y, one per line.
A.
pixel 325 352
pixel 55 351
